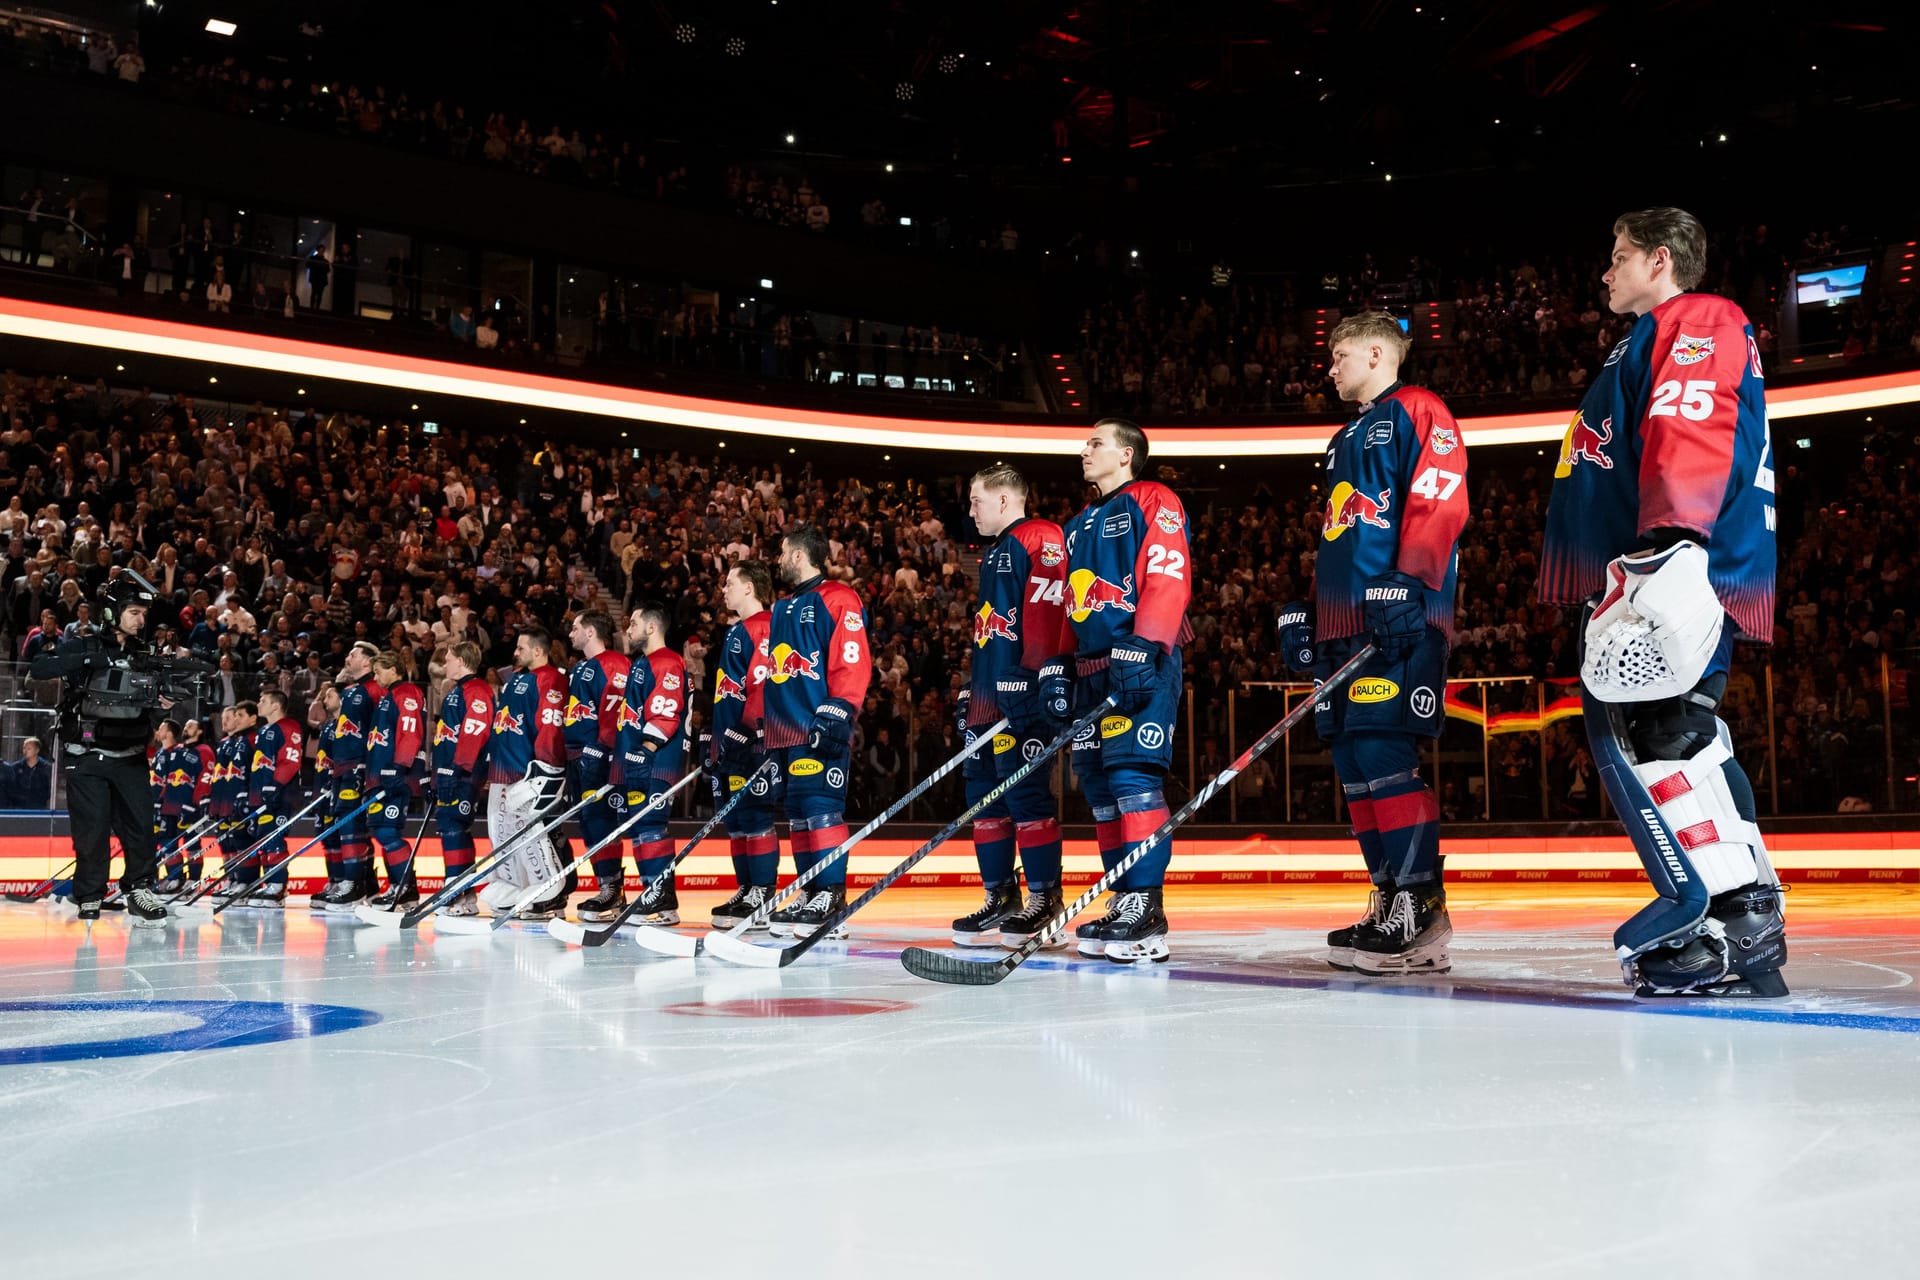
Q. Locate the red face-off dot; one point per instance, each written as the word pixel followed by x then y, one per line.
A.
pixel 794 1007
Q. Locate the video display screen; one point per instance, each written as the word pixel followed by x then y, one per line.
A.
pixel 1830 286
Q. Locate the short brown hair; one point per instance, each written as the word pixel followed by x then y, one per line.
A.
pixel 1128 435
pixel 1003 476
pixel 392 660
pixel 758 578
pixel 600 622
pixel 1370 326
pixel 1685 240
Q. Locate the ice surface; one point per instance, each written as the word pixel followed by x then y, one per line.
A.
pixel 1242 1111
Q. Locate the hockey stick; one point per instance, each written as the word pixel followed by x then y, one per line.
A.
pixel 41 890
pixel 742 952
pixel 666 942
pixel 945 966
pixel 574 934
pixel 266 874
pixel 184 841
pixel 536 892
pixel 457 885
pixel 406 868
pixel 230 865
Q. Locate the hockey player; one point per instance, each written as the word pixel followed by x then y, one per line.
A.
pixel 460 737
pixel 1384 570
pixel 174 769
pixel 652 745
pixel 596 690
pixel 528 775
pixel 1016 630
pixel 1125 621
pixel 272 772
pixel 349 866
pixel 194 807
pixel 395 772
pixel 232 759
pixel 1662 516
pixel 818 667
pixel 739 697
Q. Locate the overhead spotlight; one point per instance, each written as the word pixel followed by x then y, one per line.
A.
pixel 949 64
pixel 220 27
pixel 736 45
pixel 765 282
pixel 903 91
pixel 889 168
pixel 685 33
pixel 789 139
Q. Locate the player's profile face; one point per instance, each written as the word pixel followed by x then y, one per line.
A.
pixel 1629 278
pixel 984 505
pixel 1347 366
pixel 1102 459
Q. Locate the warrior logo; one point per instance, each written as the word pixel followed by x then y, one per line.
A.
pixel 1584 444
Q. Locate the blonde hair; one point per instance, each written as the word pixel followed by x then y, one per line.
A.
pixel 1371 326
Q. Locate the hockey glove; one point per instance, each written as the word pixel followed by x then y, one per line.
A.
pixel 1296 636
pixel 1056 693
pixel 1133 673
pixel 736 753
pixel 832 727
pixel 962 705
pixel 1396 612
pixel 1019 700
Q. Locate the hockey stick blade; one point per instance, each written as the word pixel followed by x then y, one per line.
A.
pixel 664 941
pixel 943 967
pixel 747 953
pixel 949 967
pixel 366 913
pixel 566 931
pixel 482 925
pixel 739 951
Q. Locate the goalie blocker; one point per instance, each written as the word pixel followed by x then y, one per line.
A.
pixel 1653 670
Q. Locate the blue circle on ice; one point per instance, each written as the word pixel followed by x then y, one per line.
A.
pixel 213 1024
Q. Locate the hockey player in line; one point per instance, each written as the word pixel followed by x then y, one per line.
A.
pixel 596 690
pixel 528 775
pixel 1016 631
pixel 272 774
pixel 1385 570
pixel 395 772
pixel 818 668
pixel 349 864
pixel 1662 517
pixel 1123 625
pixel 461 734
pixel 652 749
pixel 227 800
pixel 739 693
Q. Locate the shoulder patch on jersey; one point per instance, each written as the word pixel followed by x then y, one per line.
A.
pixel 1052 553
pixel 1689 350
pixel 1619 350
pixel 1117 526
pixel 669 681
pixel 1443 440
pixel 1168 519
pixel 852 621
pixel 1380 432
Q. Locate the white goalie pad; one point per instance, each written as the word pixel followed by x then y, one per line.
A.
pixel 1656 629
pixel 511 808
pixel 1695 803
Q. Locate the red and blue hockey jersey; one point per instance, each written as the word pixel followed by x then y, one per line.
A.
pixel 463 728
pixel 739 692
pixel 1129 573
pixel 276 758
pixel 596 689
pixel 1397 500
pixel 399 731
pixel 1017 623
pixel 528 724
pixel 178 768
pixel 228 796
pixel 654 709
pixel 818 650
pixel 1672 435
pixel 353 726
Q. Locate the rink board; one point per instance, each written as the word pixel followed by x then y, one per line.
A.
pixel 1891 857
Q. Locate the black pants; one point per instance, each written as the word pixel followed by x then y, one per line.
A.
pixel 107 796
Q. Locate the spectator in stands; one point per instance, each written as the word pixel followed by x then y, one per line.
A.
pixel 485 336
pixel 462 325
pixel 27 783
pixel 219 292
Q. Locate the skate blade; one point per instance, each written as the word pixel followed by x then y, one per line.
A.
pixel 1396 966
pixel 983 939
pixel 1759 986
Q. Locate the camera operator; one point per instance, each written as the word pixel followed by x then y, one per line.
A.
pixel 108 710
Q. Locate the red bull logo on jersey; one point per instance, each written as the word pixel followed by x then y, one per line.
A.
pixel 579 712
pixel 631 717
pixel 1348 507
pixel 991 624
pixel 1688 350
pixel 378 738
pixel 444 732
pixel 177 778
pixel 1091 593
pixel 1584 444
pixel 727 687
pixel 1443 440
pixel 505 721
pixel 789 663
pixel 345 728
pixel 1052 553
pixel 1168 520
